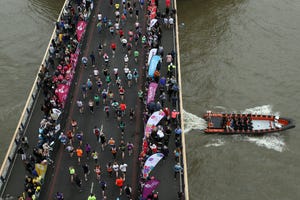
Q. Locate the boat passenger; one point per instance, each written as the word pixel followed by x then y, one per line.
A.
pixel 229 124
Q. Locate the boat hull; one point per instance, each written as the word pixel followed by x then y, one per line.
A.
pixel 249 124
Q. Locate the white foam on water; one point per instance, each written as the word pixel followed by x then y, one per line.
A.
pixel 272 141
pixel 192 121
pixel 260 110
pixel 215 143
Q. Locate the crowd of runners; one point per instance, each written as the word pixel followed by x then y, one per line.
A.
pixel 118 68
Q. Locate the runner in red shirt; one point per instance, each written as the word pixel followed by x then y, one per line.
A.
pixel 119 183
pixel 113 47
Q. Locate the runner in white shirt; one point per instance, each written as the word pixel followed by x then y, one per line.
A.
pixel 116 169
pixel 123 168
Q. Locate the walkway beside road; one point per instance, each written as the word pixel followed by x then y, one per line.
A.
pixel 105 87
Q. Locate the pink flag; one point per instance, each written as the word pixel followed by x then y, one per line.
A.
pixel 81 25
pixel 151 92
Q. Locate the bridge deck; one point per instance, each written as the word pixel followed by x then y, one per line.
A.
pixel 57 176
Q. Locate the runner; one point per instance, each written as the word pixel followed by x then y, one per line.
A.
pixel 119 183
pixel 97 171
pixel 79 154
pixel 123 169
pixel 86 171
pixel 95 156
pixel 130 148
pixel 115 167
pixel 122 148
pixel 109 169
pixel 103 187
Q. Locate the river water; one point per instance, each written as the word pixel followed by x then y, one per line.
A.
pixel 236 55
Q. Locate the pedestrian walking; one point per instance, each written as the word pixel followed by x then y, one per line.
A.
pixel 177 169
pixel 21 151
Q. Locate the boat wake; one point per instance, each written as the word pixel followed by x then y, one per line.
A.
pixel 192 121
pixel 273 142
pixel 215 143
pixel 260 110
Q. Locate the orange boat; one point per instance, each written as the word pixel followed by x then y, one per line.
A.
pixel 245 123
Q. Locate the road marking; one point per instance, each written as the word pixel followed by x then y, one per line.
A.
pixel 92 188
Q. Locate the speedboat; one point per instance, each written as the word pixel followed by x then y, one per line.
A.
pixel 252 124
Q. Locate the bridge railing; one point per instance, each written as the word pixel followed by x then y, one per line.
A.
pixel 25 116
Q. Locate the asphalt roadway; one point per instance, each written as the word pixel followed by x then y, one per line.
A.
pixel 57 176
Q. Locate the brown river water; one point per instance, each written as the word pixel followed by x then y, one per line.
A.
pixel 236 56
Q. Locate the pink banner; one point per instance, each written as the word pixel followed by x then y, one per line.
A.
pixel 152 10
pixel 81 25
pixel 149 187
pixel 61 92
pixel 151 92
pixel 153 121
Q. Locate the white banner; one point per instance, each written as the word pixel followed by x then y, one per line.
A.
pixel 151 163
